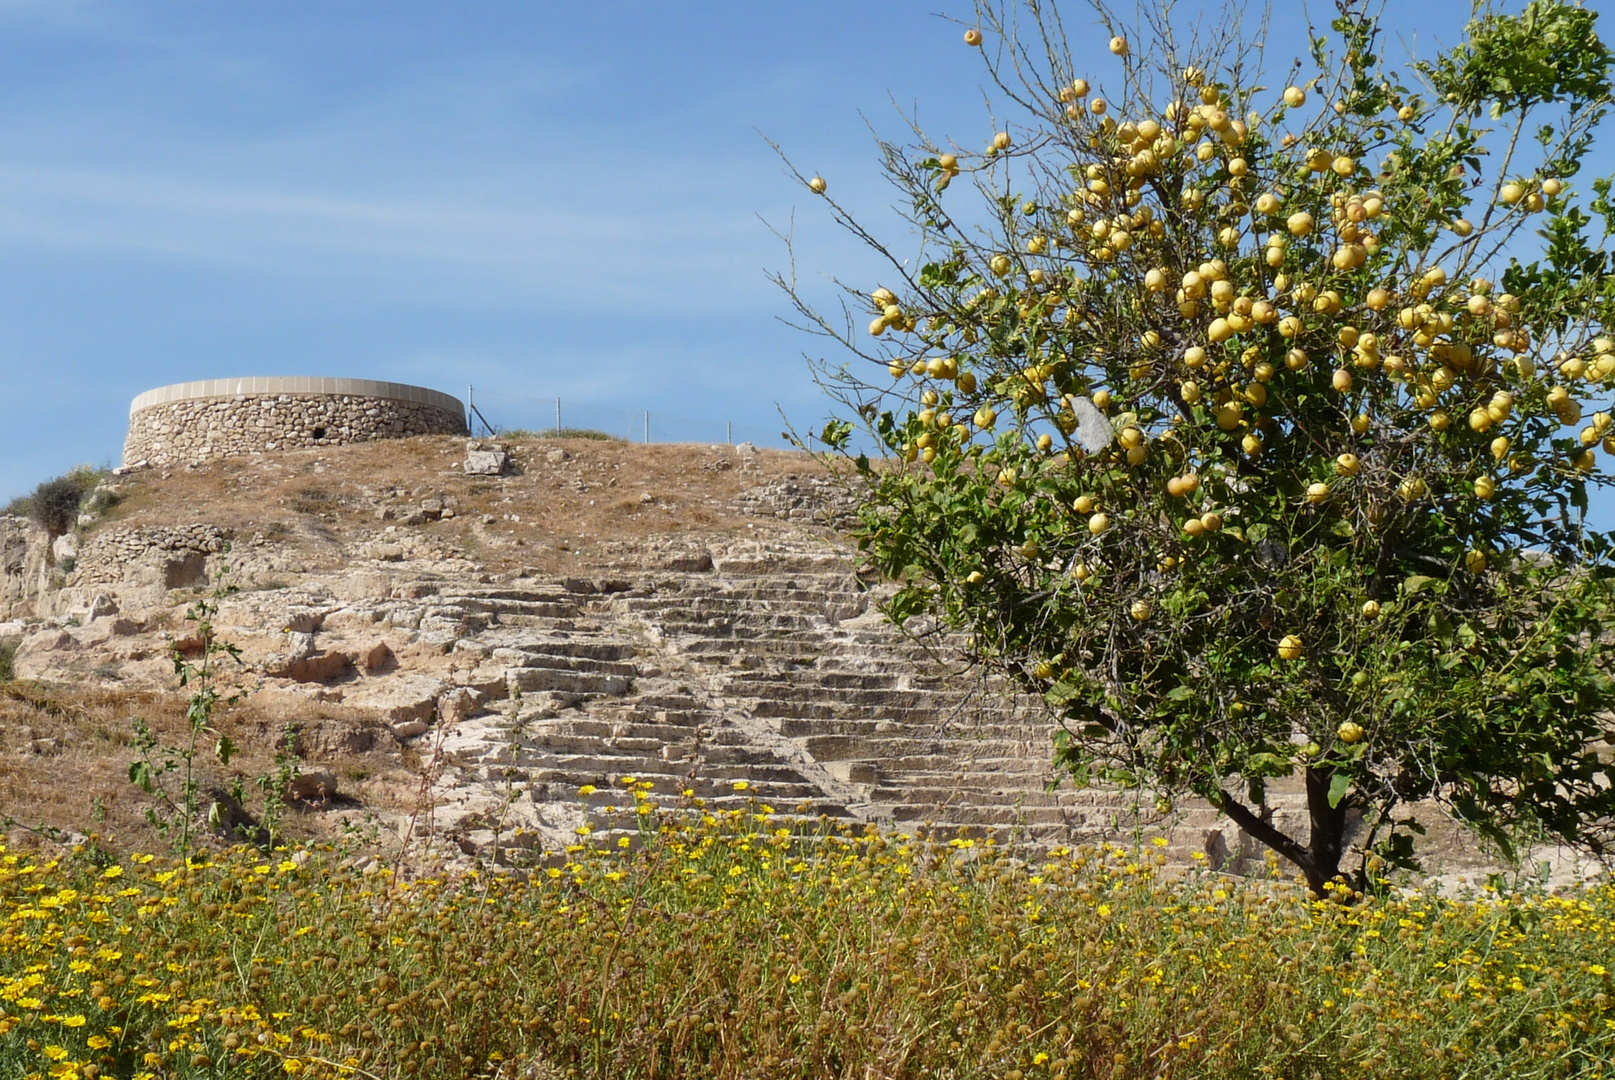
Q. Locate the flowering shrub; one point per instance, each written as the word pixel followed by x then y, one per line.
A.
pixel 1253 426
pixel 740 945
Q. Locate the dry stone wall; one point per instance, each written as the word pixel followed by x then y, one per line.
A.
pixel 801 499
pixel 178 554
pixel 194 422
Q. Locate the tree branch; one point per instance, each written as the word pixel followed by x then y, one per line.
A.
pixel 1248 820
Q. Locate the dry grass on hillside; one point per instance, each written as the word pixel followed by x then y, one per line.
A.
pixel 65 752
pixel 600 492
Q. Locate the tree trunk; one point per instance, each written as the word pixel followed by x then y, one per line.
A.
pixel 1327 839
pixel 1319 859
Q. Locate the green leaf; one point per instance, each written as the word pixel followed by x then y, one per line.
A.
pixel 1061 693
pixel 1415 583
pixel 1339 784
pixel 1268 765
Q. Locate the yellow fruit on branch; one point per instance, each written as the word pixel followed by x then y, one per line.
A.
pixel 973 37
pixel 1290 647
pixel 1371 609
pixel 817 185
pixel 1350 732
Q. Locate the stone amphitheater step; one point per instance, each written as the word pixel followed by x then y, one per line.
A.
pixel 557 607
pixel 770 682
pixel 899 723
pixel 593 658
pixel 529 680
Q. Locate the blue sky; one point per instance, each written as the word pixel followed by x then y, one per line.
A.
pixel 541 199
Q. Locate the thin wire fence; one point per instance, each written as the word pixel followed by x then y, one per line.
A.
pixel 494 411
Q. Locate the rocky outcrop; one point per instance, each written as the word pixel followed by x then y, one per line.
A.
pixel 26 565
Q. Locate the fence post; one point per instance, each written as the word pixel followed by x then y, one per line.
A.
pixel 730 426
pixel 557 418
pixel 647 427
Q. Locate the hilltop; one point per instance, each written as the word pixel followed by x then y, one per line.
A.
pixel 473 662
pixel 478 649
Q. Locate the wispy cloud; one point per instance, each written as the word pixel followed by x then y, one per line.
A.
pixel 462 250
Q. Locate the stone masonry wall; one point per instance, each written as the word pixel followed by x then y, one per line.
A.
pixel 201 429
pixel 177 552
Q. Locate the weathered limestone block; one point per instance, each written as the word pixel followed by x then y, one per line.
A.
pixel 459 704
pixel 486 463
pixel 400 698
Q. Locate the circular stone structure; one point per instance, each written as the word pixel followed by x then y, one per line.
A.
pixel 192 422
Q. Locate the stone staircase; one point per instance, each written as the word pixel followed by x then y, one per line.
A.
pixel 768 680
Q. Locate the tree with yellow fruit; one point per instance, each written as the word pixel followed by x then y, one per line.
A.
pixel 1253 428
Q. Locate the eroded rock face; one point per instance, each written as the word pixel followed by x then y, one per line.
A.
pixel 25 565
